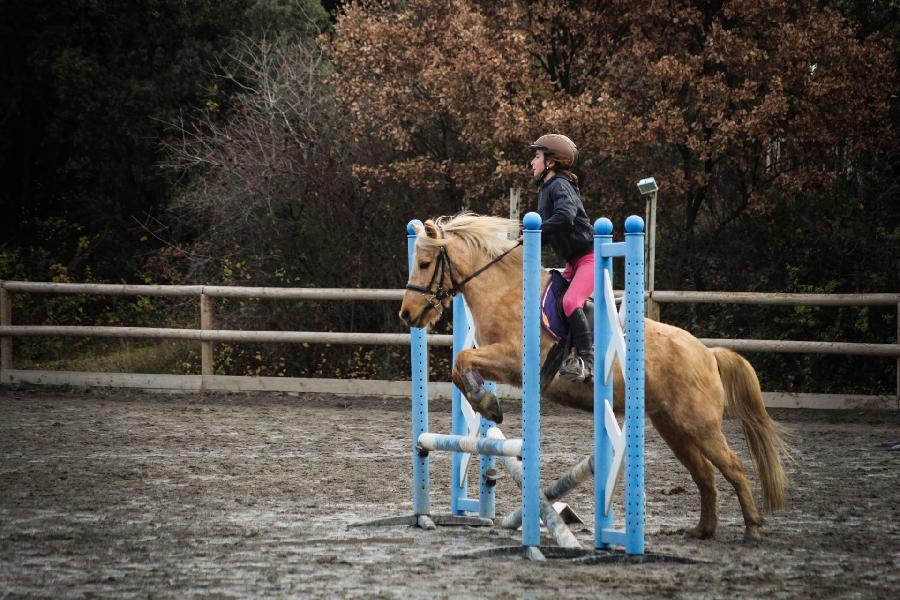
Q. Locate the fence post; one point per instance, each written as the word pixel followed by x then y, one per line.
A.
pixel 515 197
pixel 6 345
pixel 652 308
pixel 898 358
pixel 206 323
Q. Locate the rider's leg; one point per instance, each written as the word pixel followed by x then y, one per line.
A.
pixel 580 366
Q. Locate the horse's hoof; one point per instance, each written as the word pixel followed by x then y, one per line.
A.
pixel 489 407
pixel 492 475
pixel 752 536
pixel 699 533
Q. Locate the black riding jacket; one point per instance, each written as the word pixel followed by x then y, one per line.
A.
pixel 566 227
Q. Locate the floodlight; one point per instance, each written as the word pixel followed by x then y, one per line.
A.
pixel 647 186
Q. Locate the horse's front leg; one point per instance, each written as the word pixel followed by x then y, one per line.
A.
pixel 497 362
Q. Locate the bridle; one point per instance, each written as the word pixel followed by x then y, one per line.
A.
pixel 435 293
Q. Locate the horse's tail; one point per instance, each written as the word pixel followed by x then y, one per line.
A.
pixel 743 399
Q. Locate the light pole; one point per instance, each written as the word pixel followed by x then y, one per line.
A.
pixel 648 188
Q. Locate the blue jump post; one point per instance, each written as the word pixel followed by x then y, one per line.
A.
pixel 419 353
pixel 634 385
pixel 531 384
pixel 632 249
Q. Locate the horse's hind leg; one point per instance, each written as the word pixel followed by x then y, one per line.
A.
pixel 715 448
pixel 702 473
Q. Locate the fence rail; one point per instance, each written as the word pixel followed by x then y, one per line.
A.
pixel 207 334
pixel 775 298
pixel 220 335
pixel 213 291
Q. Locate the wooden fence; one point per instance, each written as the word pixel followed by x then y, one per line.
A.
pixel 207 335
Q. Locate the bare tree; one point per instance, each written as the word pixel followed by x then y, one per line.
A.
pixel 269 197
pixel 256 168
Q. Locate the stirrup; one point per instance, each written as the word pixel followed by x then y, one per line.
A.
pixel 568 373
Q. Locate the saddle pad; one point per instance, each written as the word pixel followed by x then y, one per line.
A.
pixel 552 317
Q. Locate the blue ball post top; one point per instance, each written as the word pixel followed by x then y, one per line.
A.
pixel 411 226
pixel 634 224
pixel 603 226
pixel 532 221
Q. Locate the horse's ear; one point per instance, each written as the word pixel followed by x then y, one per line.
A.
pixel 431 230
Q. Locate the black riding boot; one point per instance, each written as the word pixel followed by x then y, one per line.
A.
pixel 579 366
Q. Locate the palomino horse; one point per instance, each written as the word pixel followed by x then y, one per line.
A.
pixel 688 386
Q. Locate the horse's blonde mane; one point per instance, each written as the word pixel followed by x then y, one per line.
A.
pixel 477 231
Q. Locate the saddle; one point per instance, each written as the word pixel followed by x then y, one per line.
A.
pixel 554 322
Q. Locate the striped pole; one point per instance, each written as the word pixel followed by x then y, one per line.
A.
pixel 603 388
pixel 634 385
pixel 470 445
pixel 419 359
pixel 531 392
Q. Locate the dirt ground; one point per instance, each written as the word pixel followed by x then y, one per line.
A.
pixel 122 494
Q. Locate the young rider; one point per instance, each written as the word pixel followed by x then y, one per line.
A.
pixel 567 229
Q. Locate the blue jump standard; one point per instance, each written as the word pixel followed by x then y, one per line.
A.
pixel 632 250
pixel 531 385
pixel 528 448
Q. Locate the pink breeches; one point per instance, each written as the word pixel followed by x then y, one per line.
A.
pixel 581 277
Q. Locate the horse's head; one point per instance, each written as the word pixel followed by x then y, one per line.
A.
pixel 449 253
pixel 428 288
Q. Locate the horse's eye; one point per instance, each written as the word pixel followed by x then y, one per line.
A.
pixel 424 264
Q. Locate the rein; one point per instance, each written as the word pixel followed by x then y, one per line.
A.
pixel 435 292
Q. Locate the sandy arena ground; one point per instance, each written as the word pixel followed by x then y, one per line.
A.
pixel 122 494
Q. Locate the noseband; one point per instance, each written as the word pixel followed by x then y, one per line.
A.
pixel 435 293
